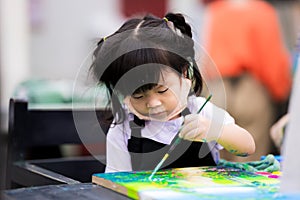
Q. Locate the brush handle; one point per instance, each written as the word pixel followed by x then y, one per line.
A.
pixel 176 142
pixel 207 100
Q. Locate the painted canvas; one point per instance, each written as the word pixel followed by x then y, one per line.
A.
pixel 192 183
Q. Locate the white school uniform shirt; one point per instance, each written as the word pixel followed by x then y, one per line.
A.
pixel 117 154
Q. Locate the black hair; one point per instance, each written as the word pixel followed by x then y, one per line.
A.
pixel 131 59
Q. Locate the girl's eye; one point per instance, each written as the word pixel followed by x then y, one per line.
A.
pixel 137 96
pixel 162 91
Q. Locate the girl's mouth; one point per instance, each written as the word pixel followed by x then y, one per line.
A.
pixel 158 115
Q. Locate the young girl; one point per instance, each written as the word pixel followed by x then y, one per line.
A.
pixel 153 82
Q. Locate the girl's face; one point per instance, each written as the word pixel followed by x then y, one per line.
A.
pixel 163 102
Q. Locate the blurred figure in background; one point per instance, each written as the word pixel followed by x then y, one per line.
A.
pixel 244 40
pixel 277 131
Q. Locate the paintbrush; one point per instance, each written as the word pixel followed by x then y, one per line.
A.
pixel 176 142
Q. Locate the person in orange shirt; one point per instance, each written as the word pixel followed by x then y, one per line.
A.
pixel 243 39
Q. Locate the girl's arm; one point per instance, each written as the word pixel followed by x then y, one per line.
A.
pixel 231 136
pixel 236 140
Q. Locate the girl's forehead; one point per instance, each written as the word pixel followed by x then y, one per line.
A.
pixel 169 77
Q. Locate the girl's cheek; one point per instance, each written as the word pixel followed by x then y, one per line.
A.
pixel 140 107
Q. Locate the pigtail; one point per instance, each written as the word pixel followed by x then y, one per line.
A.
pixel 99 45
pixel 180 23
pixel 93 68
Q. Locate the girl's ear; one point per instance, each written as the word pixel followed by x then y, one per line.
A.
pixel 189 72
pixel 185 73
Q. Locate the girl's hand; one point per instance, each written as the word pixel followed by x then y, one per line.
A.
pixel 232 137
pixel 196 128
pixel 277 131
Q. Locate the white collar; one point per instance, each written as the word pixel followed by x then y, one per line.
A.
pixel 163 132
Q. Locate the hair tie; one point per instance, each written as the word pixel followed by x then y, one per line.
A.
pixel 166 19
pixel 190 70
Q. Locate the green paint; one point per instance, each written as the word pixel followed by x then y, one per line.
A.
pixel 159 164
pixel 268 164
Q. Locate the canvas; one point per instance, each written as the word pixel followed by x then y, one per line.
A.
pixel 192 183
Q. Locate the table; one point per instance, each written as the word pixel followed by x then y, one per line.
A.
pixel 89 191
pixel 84 191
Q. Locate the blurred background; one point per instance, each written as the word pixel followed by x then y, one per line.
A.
pixel 49 39
pixel 43 39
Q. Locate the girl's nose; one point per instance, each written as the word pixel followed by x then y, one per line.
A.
pixel 153 102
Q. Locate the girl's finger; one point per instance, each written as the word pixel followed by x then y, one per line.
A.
pixel 194 135
pixel 187 128
pixel 190 118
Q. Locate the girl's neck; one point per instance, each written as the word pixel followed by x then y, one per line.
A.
pixel 175 117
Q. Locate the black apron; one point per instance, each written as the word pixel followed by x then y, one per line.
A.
pixel 146 153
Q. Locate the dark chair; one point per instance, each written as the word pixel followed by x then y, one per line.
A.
pixel 36 130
